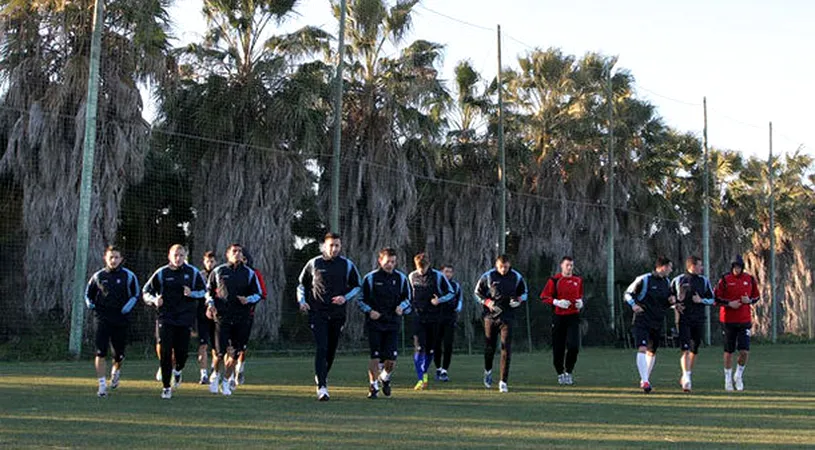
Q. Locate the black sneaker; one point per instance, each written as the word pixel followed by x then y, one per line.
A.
pixel 386 388
pixel 373 392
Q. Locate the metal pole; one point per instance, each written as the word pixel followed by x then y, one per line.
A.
pixel 83 217
pixel 772 240
pixel 706 219
pixel 611 216
pixel 335 172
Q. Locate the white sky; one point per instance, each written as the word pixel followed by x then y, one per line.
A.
pixel 752 59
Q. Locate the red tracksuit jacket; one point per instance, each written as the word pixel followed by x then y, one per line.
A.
pixel 732 288
pixel 563 288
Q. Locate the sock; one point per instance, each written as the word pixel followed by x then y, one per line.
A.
pixel 113 372
pixel 728 374
pixel 651 362
pixel 487 372
pixel 239 367
pixel 442 371
pixel 418 364
pixel 384 375
pixel 102 382
pixel 642 366
pixel 375 385
pixel 203 373
pixel 424 378
pixel 739 371
pixel 687 374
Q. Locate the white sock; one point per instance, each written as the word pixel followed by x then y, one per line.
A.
pixel 728 374
pixel 687 374
pixel 651 362
pixel 384 375
pixel 375 384
pixel 239 367
pixel 113 371
pixel 739 371
pixel 176 372
pixel 203 372
pixel 102 382
pixel 487 372
pixel 642 366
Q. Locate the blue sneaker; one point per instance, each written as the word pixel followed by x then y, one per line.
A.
pixel 488 379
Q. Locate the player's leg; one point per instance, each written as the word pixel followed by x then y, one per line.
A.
pixel 685 341
pixel 490 342
pixel 118 340
pixel 203 344
pixel 430 348
pixel 743 346
pixel 447 348
pixel 335 327
pixel 319 328
pixel 558 346
pixel 654 336
pixel 158 351
pixel 181 349
pixel 241 364
pixel 100 362
pixel 166 343
pixel 640 332
pixel 419 350
pixel 572 346
pixel 437 350
pixel 374 345
pixel 390 342
pixel 221 341
pixel 730 336
pixel 505 330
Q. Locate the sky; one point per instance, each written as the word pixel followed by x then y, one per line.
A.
pixel 753 60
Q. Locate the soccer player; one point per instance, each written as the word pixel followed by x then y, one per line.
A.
pixel 447 326
pixel 206 326
pixel 564 292
pixel 429 290
pixel 385 297
pixel 240 367
pixel 499 291
pixel 327 283
pixel 736 292
pixel 174 290
pixel 232 289
pixel 650 297
pixel 694 293
pixel 111 294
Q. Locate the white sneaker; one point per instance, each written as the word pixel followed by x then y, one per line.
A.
pixel 158 374
pixel 225 388
pixel 232 383
pixel 114 379
pixel 214 381
pixel 686 384
pixel 739 382
pixel 322 394
pixel 728 384
pixel 166 393
pixel 568 380
pixel 503 388
pixel 103 390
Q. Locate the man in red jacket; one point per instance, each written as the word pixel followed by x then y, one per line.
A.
pixel 736 292
pixel 564 292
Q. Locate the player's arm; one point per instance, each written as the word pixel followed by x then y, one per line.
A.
pixel 91 291
pixel 152 289
pixel 482 296
pixel 755 296
pixel 547 295
pixel 521 290
pixel 305 280
pixel 720 292
pixel 708 298
pixel 354 282
pixel 212 289
pixel 459 299
pixel 365 300
pixel 253 287
pixel 406 295
pixel 444 288
pixel 198 290
pixel 132 292
pixel 633 292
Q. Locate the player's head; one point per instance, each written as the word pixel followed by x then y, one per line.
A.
pixel 737 266
pixel 113 257
pixel 693 264
pixel 502 264
pixel 332 244
pixel 387 259
pixel 422 262
pixel 248 259
pixel 177 255
pixel 209 260
pixel 448 270
pixel 567 266
pixel 234 254
pixel 663 266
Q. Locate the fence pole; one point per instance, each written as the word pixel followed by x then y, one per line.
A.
pixel 335 160
pixel 83 217
pixel 610 272
pixel 706 218
pixel 772 240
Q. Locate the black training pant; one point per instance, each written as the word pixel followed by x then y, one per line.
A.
pixel 327 331
pixel 173 338
pixel 444 343
pixel 565 341
pixel 494 327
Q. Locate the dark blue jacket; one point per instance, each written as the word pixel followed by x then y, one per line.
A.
pixel 689 284
pixel 383 292
pixel 449 309
pixel 651 292
pixel 176 309
pixel 501 289
pixel 226 283
pixel 424 287
pixel 111 294
pixel 322 279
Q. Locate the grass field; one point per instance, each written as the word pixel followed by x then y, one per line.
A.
pixel 54 405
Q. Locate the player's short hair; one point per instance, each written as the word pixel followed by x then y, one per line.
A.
pixel 233 245
pixel 331 236
pixel 175 247
pixel 112 248
pixel 566 258
pixel 503 259
pixel 447 266
pixel 421 260
pixel 691 261
pixel 386 252
pixel 209 254
pixel 662 261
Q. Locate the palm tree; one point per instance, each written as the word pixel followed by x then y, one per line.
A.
pixel 245 113
pixel 44 58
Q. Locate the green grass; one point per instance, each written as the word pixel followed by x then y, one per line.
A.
pixel 54 405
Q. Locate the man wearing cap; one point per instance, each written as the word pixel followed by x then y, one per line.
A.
pixel 735 294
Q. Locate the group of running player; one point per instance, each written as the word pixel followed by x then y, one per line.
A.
pixel 219 301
